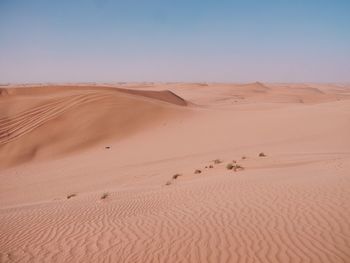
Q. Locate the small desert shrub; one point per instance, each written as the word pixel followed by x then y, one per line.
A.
pixel 71 195
pixel 104 196
pixel 108 147
pixel 234 161
pixel 175 176
pixel 262 154
pixel 217 161
pixel 244 157
pixel 197 171
pixel 229 166
pixel 238 167
pixel 211 166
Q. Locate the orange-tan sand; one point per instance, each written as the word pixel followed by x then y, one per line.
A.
pixel 87 173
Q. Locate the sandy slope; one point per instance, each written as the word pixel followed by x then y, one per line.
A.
pixel 290 206
pixel 46 121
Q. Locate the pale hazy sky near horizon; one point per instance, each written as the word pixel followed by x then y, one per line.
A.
pixel 183 40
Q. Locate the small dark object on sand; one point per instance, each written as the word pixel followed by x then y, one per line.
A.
pixel 175 176
pixel 104 196
pixel 70 196
pixel 168 183
pixel 229 166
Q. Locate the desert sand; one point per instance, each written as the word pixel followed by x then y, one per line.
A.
pixel 138 172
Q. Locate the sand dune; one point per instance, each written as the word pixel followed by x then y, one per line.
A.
pixel 39 122
pixel 228 94
pixel 65 197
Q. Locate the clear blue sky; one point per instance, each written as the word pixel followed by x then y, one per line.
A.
pixel 175 40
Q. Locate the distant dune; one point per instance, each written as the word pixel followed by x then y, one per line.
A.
pixel 175 172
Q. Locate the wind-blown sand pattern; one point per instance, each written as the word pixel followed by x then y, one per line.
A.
pixel 63 148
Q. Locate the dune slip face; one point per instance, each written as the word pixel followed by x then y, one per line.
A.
pixel 176 172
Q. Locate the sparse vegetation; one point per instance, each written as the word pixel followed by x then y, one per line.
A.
pixel 104 196
pixel 211 166
pixel 168 183
pixel 244 157
pixel 238 167
pixel 71 195
pixel 262 154
pixel 234 166
pixel 217 161
pixel 175 176
pixel 229 166
pixel 108 147
pixel 197 171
